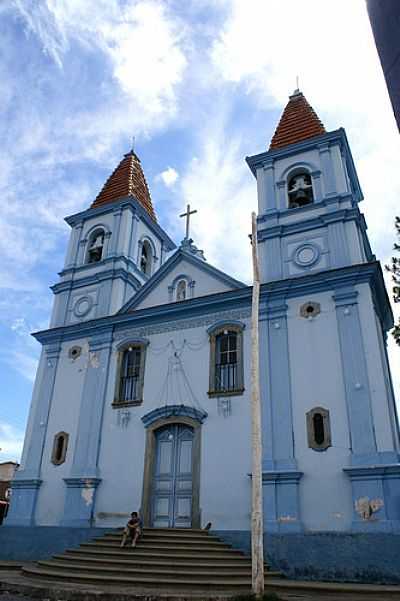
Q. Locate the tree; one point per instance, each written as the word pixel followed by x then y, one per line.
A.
pixel 394 269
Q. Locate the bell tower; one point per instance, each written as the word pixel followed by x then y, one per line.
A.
pixel 308 195
pixel 115 246
pixel 329 414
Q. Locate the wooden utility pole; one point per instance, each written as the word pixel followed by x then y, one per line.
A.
pixel 257 545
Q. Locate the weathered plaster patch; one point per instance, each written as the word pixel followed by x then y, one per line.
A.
pixel 94 360
pixel 87 495
pixel 366 507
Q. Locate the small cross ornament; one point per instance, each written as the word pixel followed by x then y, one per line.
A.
pixel 187 215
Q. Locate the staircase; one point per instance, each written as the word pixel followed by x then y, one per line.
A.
pixel 164 559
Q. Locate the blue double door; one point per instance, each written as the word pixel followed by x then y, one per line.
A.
pixel 172 490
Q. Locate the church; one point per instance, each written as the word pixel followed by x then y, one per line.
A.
pixel 142 398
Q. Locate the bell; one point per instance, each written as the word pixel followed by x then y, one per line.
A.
pixel 299 196
pixel 97 243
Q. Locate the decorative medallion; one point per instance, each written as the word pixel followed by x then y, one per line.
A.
pixel 83 306
pixel 306 255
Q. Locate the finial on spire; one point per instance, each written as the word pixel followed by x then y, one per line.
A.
pixel 297 90
pixel 133 143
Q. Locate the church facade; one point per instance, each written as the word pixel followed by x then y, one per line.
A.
pixel 142 396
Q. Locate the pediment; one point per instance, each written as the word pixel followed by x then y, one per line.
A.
pixel 190 275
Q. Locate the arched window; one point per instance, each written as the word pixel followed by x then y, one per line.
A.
pixel 181 290
pixel 60 445
pixel 146 258
pixel 226 361
pixel 300 191
pixel 130 378
pixel 95 246
pixel 318 429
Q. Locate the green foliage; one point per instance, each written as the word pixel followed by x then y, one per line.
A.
pixel 394 269
pixel 265 597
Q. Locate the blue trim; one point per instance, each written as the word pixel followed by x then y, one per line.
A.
pixel 131 341
pixel 110 273
pixel 340 216
pixel 82 482
pixel 219 325
pixel 286 173
pixel 24 499
pixel 78 508
pixel 378 485
pixel 355 373
pixel 338 136
pixel 234 299
pixel 291 476
pixel 172 262
pixel 281 501
pixel 124 202
pixel 182 276
pixel 84 474
pixel 23 509
pixel 173 411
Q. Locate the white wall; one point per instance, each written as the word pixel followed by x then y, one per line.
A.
pixel 64 414
pixel 316 379
pixel 225 444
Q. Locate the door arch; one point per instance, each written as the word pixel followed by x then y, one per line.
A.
pixel 171 479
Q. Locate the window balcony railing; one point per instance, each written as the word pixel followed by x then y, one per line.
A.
pixel 226 376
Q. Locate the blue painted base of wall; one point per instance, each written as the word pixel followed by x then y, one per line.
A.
pixel 359 557
pixel 331 556
pixel 40 542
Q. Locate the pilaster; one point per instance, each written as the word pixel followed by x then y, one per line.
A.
pixel 355 376
pixel 280 475
pixel 84 478
pixel 114 246
pixel 374 476
pixel 27 480
pixel 74 246
pixel 327 169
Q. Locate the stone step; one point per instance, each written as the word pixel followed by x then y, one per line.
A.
pixel 166 538
pixel 204 564
pixel 128 552
pixel 172 560
pixel 165 542
pixel 165 549
pixel 184 573
pixel 167 582
pixel 165 532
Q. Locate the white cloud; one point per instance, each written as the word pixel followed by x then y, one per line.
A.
pixel 219 185
pixel 142 41
pixel 11 442
pixel 169 177
pixel 343 81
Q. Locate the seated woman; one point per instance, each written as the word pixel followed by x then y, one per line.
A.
pixel 132 530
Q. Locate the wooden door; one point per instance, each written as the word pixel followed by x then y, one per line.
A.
pixel 172 490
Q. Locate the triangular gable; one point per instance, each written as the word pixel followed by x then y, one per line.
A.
pixel 206 280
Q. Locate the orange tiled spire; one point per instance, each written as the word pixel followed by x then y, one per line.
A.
pixel 127 180
pixel 298 122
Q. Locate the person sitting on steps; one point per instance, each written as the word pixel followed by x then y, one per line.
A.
pixel 132 530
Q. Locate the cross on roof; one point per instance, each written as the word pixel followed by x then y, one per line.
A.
pixel 187 215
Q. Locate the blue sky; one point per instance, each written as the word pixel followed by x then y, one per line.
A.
pixel 200 84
